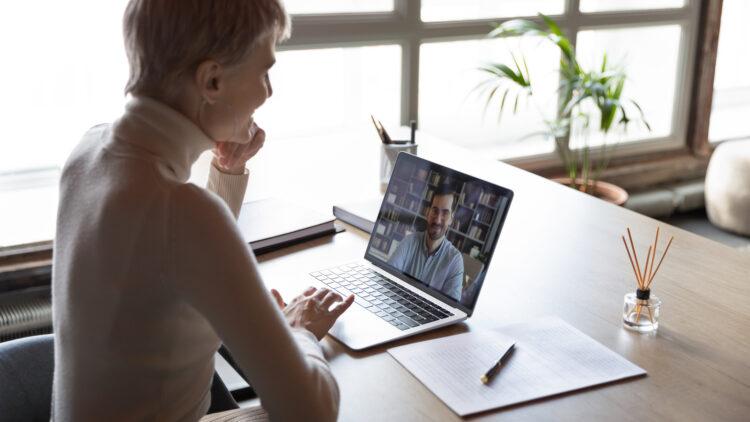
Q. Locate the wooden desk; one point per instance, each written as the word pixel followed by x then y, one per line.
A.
pixel 559 253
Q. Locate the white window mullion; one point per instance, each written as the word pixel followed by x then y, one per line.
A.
pixel 410 60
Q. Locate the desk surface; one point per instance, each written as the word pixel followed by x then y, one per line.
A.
pixel 560 253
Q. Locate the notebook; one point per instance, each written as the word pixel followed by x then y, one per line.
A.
pixel 272 223
pixel 550 357
pixel 361 215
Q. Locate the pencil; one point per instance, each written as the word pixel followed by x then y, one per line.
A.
pixel 378 129
pixel 385 134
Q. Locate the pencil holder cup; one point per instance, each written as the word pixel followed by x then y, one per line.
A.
pixel 641 311
pixel 388 155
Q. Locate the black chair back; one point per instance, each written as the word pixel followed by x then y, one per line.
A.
pixel 26 367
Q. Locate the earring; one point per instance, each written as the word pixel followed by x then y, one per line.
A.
pixel 203 104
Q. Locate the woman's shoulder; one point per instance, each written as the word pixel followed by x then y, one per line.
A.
pixel 81 153
pixel 196 203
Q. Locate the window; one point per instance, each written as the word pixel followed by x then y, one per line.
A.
pixel 731 102
pixel 445 41
pixel 450 106
pixel 64 71
pixel 362 80
pixel 400 60
pixel 649 55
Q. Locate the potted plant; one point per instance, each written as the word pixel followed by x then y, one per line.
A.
pixel 590 99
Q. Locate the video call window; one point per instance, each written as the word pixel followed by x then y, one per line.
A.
pixel 472 212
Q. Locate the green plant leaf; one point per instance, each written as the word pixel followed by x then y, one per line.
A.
pixel 514 28
pixel 489 98
pixel 502 102
pixel 624 120
pixel 643 117
pixel 526 68
pixel 503 71
pixel 552 25
pixel 579 91
pixel 574 101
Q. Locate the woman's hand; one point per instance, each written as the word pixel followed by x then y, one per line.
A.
pixel 230 157
pixel 314 310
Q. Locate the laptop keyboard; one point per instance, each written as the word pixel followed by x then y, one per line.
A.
pixel 381 296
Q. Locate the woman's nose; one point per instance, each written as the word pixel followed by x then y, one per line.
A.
pixel 269 88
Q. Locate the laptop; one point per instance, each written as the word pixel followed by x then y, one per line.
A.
pixel 428 253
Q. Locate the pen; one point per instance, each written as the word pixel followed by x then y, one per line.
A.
pixel 496 367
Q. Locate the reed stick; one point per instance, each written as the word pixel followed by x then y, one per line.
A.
pixel 632 264
pixel 638 309
pixel 635 256
pixel 646 268
pixel 653 257
pixel 660 261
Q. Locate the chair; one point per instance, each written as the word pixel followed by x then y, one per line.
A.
pixel 728 187
pixel 26 367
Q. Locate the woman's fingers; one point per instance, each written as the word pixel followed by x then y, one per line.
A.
pixel 309 291
pixel 329 299
pixel 320 294
pixel 233 155
pixel 248 151
pixel 279 300
pixel 228 153
pixel 339 309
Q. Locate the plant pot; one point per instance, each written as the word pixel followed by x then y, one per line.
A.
pixel 602 190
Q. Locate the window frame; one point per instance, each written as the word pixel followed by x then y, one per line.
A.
pixel 403 26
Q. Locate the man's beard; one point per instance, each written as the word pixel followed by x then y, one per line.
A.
pixel 439 232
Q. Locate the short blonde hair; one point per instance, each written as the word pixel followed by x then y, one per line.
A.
pixel 167 39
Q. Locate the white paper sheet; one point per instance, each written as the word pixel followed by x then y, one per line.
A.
pixel 550 357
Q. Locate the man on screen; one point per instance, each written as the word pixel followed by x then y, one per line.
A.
pixel 428 256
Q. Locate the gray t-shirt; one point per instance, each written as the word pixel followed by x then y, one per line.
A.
pixel 443 270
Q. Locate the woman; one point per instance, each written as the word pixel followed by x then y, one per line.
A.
pixel 150 272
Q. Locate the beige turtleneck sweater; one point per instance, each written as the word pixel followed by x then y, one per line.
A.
pixel 151 273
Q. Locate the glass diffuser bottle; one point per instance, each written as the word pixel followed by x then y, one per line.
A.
pixel 641 311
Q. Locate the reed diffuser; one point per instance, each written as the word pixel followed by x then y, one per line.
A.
pixel 641 309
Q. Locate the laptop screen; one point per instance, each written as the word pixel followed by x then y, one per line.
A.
pixel 437 228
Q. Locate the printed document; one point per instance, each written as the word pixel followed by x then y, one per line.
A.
pixel 550 357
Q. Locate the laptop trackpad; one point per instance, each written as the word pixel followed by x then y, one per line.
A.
pixel 357 328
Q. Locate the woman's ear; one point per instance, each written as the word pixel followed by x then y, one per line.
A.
pixel 208 76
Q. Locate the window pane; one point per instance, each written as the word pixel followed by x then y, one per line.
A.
pixel 60 79
pixel 29 207
pixel 303 7
pixel 587 6
pixel 315 91
pixel 648 56
pixel 451 10
pixel 731 103
pixel 449 109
